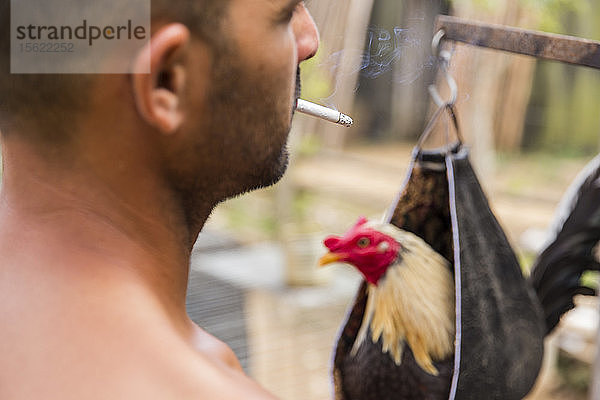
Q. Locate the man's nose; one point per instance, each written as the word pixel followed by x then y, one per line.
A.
pixel 307 34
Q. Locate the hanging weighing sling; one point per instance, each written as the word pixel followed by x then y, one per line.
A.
pixel 499 330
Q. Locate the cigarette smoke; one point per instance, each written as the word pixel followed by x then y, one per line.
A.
pixel 383 50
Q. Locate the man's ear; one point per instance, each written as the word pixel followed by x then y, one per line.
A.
pixel 158 94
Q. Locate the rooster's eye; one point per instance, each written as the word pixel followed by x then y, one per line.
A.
pixel 363 242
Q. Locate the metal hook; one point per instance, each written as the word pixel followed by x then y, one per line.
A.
pixel 444 59
pixel 435 43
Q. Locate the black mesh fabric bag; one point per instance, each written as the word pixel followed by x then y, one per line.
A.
pixel 499 326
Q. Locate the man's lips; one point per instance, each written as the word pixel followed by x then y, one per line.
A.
pixel 298 89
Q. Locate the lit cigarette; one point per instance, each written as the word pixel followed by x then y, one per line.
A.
pixel 325 113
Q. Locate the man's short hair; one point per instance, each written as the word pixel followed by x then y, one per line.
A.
pixel 50 103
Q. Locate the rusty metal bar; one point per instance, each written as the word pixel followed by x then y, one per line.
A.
pixel 568 49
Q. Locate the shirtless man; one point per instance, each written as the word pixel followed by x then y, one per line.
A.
pixel 107 181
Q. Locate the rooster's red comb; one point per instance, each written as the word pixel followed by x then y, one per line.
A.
pixel 333 242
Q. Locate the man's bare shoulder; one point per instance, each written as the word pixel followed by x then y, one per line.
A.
pixel 206 368
pixel 77 327
pixel 60 365
pixel 207 379
pixel 58 346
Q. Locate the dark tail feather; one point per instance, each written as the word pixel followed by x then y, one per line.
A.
pixel 556 274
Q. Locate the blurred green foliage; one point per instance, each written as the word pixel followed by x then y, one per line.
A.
pixel 550 12
pixel 547 12
pixel 576 375
pixel 590 279
pixel 564 113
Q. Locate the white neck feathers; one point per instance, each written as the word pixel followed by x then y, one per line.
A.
pixel 412 303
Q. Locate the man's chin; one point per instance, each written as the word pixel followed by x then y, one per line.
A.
pixel 274 172
pixel 264 176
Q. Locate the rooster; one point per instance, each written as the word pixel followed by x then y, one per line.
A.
pixel 410 292
pixel 404 347
pixel 410 302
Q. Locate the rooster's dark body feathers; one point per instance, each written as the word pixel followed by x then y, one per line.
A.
pixel 415 384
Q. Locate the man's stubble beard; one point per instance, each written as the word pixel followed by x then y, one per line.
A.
pixel 250 117
pixel 247 121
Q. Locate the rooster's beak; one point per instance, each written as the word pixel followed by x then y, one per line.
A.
pixel 329 258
